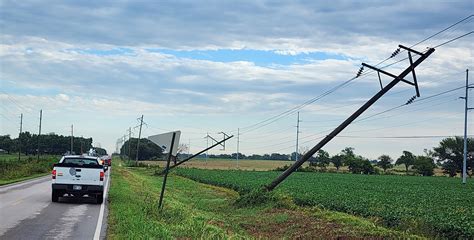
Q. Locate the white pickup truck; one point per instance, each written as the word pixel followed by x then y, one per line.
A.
pixel 78 176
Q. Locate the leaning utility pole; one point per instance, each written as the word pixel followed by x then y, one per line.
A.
pixel 129 142
pixel 39 133
pixel 72 137
pixel 466 108
pixel 19 137
pixel 297 135
pixel 362 109
pixel 139 136
pixel 238 145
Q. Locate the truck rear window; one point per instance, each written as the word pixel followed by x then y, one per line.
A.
pixel 81 161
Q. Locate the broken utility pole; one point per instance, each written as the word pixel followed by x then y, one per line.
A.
pixel 362 109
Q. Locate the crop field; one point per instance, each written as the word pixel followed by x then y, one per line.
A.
pixel 431 206
pixel 225 164
pixel 195 210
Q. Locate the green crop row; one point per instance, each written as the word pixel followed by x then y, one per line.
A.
pixel 433 206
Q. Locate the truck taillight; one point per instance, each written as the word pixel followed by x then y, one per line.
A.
pixel 53 173
pixel 102 176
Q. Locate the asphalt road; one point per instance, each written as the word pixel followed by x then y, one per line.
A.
pixel 26 212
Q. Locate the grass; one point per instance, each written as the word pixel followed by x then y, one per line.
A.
pixel 194 210
pixel 433 206
pixel 12 170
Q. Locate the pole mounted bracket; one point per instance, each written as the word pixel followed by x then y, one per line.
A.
pixel 225 136
pixel 411 68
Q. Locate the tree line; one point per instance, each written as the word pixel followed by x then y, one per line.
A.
pixel 147 150
pixel 51 143
pixel 448 155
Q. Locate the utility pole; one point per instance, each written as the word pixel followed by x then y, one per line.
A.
pixel 238 145
pixel 297 135
pixel 39 132
pixel 362 109
pixel 72 137
pixel 189 146
pixel 139 136
pixel 82 143
pixel 207 145
pixel 19 137
pixel 129 142
pixel 466 108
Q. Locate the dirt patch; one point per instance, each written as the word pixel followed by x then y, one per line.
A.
pixel 293 224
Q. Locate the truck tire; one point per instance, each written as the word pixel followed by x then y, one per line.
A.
pixel 54 196
pixel 100 198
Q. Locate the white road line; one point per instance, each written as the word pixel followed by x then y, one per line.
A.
pixel 102 207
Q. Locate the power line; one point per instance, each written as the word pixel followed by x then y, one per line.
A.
pixel 292 110
pixel 403 137
pixel 329 129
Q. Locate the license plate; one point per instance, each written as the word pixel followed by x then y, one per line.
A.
pixel 77 187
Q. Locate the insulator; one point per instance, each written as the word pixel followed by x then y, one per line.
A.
pixel 395 53
pixel 361 69
pixel 410 100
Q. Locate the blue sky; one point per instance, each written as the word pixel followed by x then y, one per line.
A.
pixel 218 66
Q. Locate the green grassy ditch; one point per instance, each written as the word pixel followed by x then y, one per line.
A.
pixel 200 211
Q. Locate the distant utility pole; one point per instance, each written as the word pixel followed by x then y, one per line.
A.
pixel 207 145
pixel 238 146
pixel 139 136
pixel 189 146
pixel 297 135
pixel 19 137
pixel 123 142
pixel 129 142
pixel 39 132
pixel 72 137
pixel 466 108
pixel 82 143
pixel 117 146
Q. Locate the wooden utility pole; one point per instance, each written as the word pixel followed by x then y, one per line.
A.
pixel 139 136
pixel 129 143
pixel 297 135
pixel 39 132
pixel 72 137
pixel 19 137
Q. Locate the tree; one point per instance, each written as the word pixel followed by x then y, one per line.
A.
pixel 385 162
pixel 338 161
pixel 424 165
pixel 100 151
pixel 293 156
pixel 406 158
pixel 148 150
pixel 322 159
pixel 348 152
pixel 6 143
pixel 450 155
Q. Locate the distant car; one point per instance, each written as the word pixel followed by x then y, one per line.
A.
pixel 107 160
pixel 78 176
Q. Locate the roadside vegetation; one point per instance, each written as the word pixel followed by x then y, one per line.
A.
pixel 14 170
pixel 431 206
pixel 195 210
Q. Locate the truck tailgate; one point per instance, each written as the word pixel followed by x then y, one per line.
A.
pixel 78 175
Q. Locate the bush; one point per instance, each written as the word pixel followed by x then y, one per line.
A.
pixel 424 165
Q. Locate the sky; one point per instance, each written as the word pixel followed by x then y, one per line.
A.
pixel 205 67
